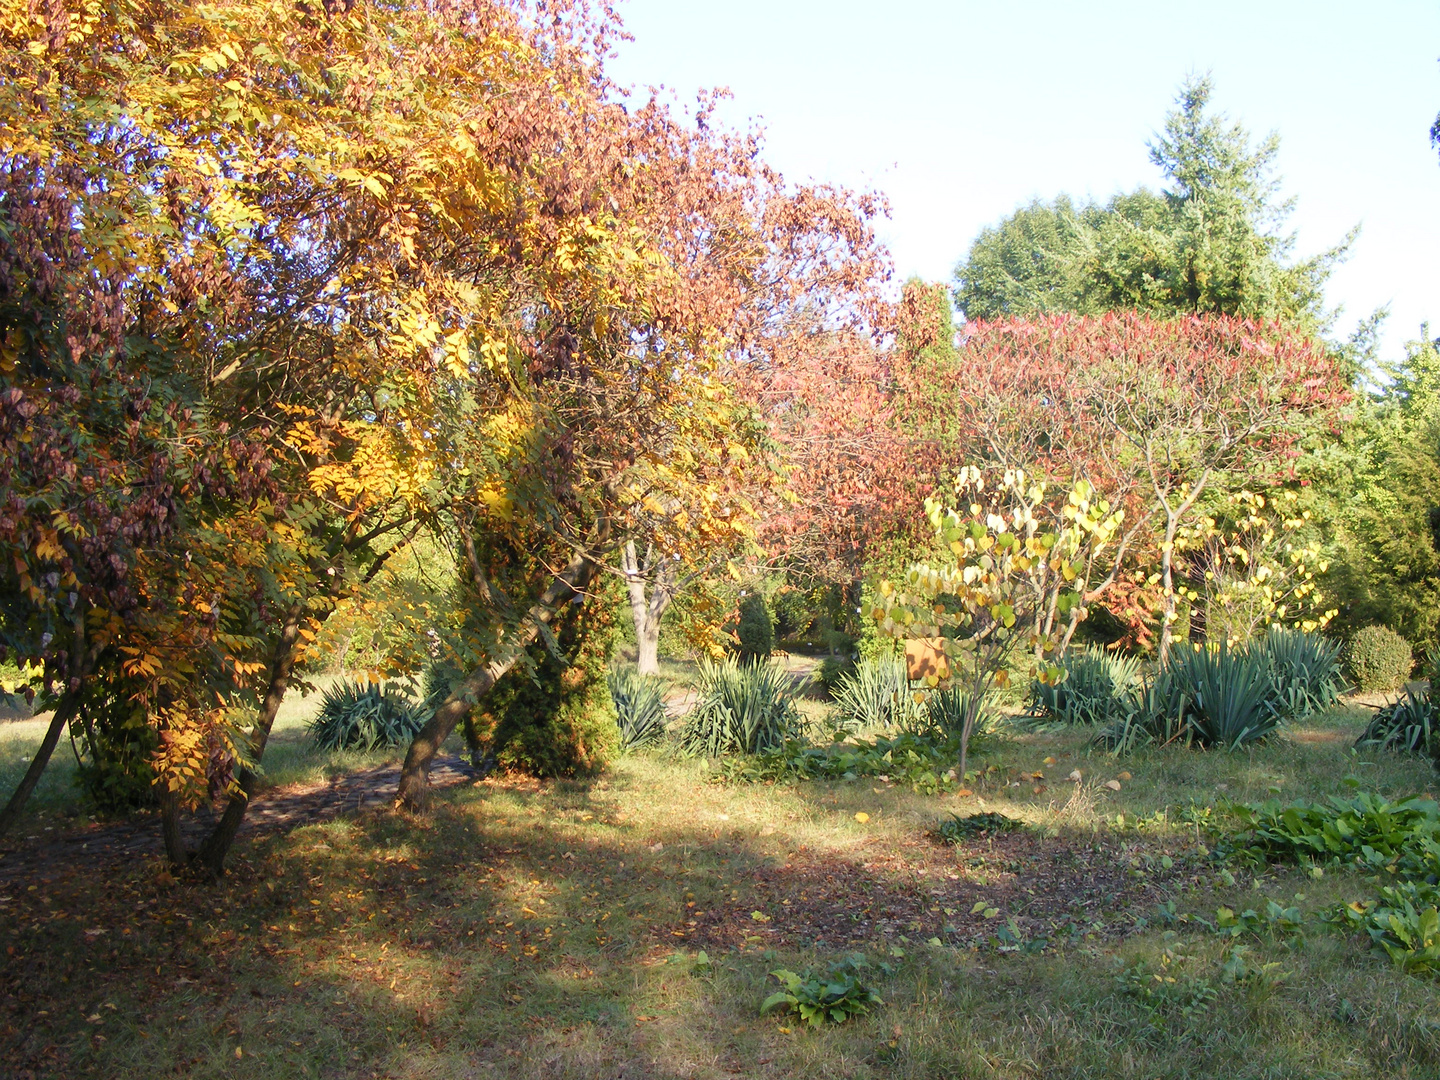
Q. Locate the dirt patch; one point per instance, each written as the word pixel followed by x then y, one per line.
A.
pixel 1047 886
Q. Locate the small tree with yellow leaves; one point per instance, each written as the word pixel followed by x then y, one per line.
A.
pixel 1012 583
pixel 1247 567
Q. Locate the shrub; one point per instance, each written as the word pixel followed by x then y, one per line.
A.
pixel 876 695
pixel 742 709
pixel 1095 690
pixel 1304 670
pixel 831 671
pixel 364 716
pixel 1378 659
pixel 832 998
pixel 118 743
pixel 557 719
pixel 639 707
pixel 755 631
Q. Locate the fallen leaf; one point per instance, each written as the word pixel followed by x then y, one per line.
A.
pixel 862 817
pixel 1075 776
pixel 1039 788
pixel 1124 776
pixel 1113 785
pixel 1037 776
pixel 1048 761
pixel 964 793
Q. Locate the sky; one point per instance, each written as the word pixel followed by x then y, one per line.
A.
pixel 959 112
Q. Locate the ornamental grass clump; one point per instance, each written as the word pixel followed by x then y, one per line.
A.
pixel 743 709
pixel 1304 670
pixel 365 716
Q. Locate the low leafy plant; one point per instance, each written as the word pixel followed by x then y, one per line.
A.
pixel 639 707
pixel 1097 689
pixel 1403 923
pixel 1406 726
pixel 1165 992
pixel 1378 659
pixel 875 696
pixel 742 709
pixel 364 716
pixel 923 764
pixel 1364 830
pixel 831 998
pixel 957 828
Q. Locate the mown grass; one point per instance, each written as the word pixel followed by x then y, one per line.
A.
pixel 529 930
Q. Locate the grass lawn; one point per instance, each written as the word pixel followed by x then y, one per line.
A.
pixel 555 930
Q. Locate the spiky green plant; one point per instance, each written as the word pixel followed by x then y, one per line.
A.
pixel 1156 714
pixel 1406 726
pixel 639 707
pixel 364 716
pixel 875 695
pixel 1096 688
pixel 1304 670
pixel 742 709
pixel 942 716
pixel 1229 695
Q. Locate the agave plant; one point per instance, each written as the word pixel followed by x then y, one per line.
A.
pixel 639 707
pixel 1407 726
pixel 1157 712
pixel 365 716
pixel 742 709
pixel 875 695
pixel 1097 689
pixel 1304 670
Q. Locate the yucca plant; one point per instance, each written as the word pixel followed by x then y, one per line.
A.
pixel 1304 670
pixel 1406 726
pixel 1229 695
pixel 1156 713
pixel 742 709
pixel 639 707
pixel 876 695
pixel 365 716
pixel 941 716
pixel 1096 689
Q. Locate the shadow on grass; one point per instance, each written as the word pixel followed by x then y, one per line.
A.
pixel 554 930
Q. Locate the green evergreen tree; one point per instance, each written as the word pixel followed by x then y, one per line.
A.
pixel 1212 241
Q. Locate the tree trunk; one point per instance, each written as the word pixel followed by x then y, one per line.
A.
pixel 170 828
pixel 415 774
pixel 282 663
pixel 647 611
pixel 1167 583
pixel 64 711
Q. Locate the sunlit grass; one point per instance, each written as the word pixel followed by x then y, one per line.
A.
pixel 530 930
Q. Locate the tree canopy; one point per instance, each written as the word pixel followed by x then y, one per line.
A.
pixel 1212 241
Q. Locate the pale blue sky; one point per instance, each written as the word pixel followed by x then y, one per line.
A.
pixel 961 111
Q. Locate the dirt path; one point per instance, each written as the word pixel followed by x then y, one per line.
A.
pixel 39 856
